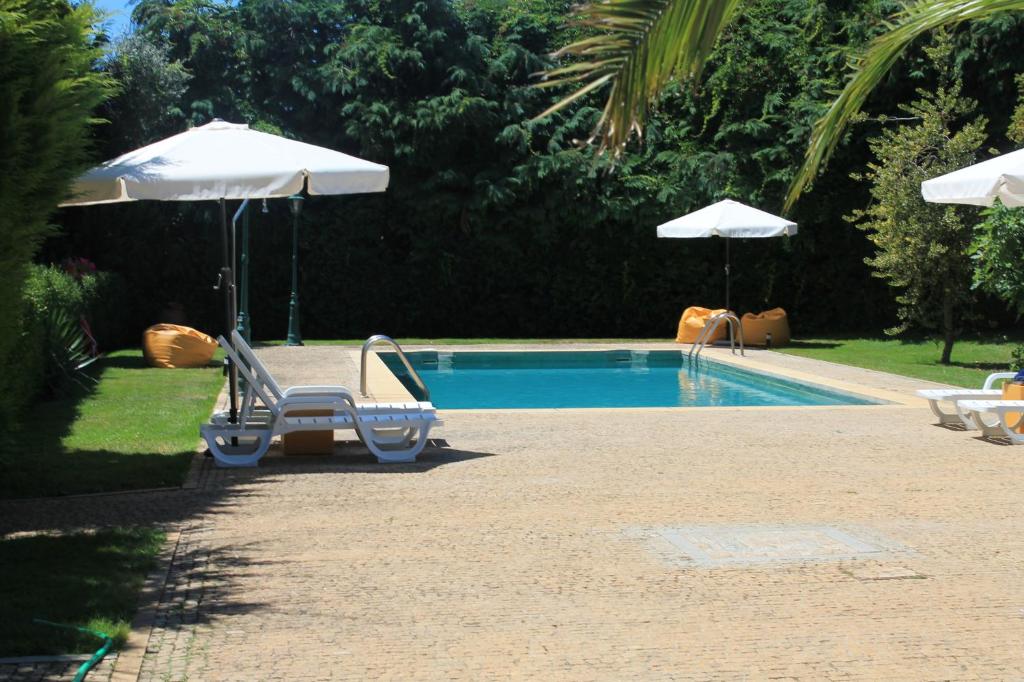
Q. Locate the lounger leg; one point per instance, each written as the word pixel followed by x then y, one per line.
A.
pixel 946 417
pixel 976 420
pixel 988 429
pixel 251 447
pixel 1010 430
pixel 407 453
pixel 399 437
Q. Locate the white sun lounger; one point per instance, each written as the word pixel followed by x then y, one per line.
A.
pixel 955 395
pixel 998 412
pixel 393 432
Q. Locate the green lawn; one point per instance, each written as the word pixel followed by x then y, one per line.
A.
pixel 136 428
pixel 973 360
pixel 88 580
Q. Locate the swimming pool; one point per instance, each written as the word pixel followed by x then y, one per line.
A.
pixel 617 378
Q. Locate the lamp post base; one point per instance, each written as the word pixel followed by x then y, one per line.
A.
pixel 294 336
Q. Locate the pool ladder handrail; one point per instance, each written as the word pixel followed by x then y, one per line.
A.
pixel 382 338
pixel 713 323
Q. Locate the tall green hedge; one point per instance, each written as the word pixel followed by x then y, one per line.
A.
pixel 48 91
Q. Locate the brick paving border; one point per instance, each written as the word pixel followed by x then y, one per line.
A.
pixel 129 661
pixel 54 668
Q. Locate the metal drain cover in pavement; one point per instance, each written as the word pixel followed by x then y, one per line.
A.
pixel 731 545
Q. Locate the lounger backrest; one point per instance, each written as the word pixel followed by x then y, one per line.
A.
pixel 258 368
pixel 255 383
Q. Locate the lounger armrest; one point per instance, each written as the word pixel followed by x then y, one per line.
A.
pixel 319 390
pixel 314 402
pixel 993 378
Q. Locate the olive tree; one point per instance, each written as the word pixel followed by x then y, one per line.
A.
pixel 922 250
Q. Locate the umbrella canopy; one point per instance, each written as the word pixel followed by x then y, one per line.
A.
pixel 223 160
pixel 980 184
pixel 729 219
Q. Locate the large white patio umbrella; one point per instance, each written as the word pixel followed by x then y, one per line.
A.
pixel 728 219
pixel 980 184
pixel 221 161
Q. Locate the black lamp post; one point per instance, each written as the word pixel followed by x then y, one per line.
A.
pixel 294 337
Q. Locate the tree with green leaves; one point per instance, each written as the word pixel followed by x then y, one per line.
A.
pixel 998 245
pixel 639 47
pixel 998 249
pixel 49 89
pixel 922 249
pixel 148 104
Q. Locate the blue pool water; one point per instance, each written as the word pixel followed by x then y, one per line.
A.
pixel 552 379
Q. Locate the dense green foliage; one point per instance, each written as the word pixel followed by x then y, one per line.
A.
pixel 495 225
pixel 68 317
pixel 59 312
pixel 146 106
pixel 998 250
pixel 634 49
pixel 90 580
pixel 48 91
pixel 922 248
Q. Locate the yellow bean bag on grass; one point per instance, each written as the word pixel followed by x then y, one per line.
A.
pixel 692 322
pixel 757 327
pixel 173 346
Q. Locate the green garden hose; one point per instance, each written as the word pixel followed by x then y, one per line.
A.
pixel 96 657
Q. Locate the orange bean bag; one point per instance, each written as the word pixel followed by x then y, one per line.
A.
pixel 172 346
pixel 757 327
pixel 692 322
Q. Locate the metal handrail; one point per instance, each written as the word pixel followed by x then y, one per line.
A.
pixel 381 338
pixel 709 328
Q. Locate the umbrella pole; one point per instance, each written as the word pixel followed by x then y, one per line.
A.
pixel 727 273
pixel 227 283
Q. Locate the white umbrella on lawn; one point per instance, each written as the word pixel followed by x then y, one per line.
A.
pixel 221 161
pixel 980 184
pixel 730 220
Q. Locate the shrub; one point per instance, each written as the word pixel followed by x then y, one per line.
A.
pixel 51 344
pixel 102 298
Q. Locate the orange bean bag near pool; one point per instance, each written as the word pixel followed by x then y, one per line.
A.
pixel 692 322
pixel 173 346
pixel 757 327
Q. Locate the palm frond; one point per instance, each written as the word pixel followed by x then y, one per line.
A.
pixel 641 45
pixel 873 65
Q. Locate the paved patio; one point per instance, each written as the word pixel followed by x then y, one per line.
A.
pixel 735 543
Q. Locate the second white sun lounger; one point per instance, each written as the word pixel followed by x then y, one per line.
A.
pixel 935 396
pixel 1004 417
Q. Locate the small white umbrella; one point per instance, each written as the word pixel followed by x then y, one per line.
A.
pixel 728 219
pixel 220 161
pixel 980 184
